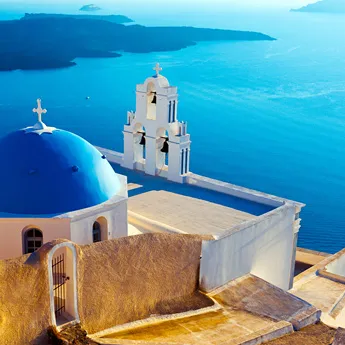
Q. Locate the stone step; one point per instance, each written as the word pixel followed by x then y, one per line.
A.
pixel 70 335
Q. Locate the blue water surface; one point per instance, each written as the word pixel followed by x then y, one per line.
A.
pixel 265 115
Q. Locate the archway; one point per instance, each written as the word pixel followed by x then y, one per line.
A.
pixel 32 239
pixel 96 232
pixel 100 230
pixel 139 143
pixel 162 150
pixel 151 112
pixel 63 284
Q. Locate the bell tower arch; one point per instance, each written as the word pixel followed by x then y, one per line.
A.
pixel 165 140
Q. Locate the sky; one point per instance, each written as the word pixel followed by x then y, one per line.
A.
pixel 228 3
pixel 136 8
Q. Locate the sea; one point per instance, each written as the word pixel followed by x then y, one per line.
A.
pixel 264 115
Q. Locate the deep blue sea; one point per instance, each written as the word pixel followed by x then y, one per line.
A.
pixel 265 115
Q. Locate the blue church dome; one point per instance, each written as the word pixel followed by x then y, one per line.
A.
pixel 52 171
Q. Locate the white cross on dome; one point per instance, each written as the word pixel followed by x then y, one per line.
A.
pixel 39 128
pixel 39 111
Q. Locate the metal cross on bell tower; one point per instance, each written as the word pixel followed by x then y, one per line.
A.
pixel 39 111
pixel 157 68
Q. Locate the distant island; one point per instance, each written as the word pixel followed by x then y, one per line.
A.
pixel 113 18
pixel 47 41
pixel 324 6
pixel 90 8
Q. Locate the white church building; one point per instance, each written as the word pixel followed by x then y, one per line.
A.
pixel 57 185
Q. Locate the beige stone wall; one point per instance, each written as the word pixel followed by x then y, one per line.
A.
pixel 118 281
pixel 24 302
pixel 134 277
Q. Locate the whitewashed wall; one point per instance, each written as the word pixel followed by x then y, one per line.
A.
pixel 12 231
pixel 113 210
pixel 337 266
pixel 263 247
pixel 75 226
pixel 237 191
pixel 116 216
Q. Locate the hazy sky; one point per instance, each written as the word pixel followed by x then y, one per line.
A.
pixel 256 3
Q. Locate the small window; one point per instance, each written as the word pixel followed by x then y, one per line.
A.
pixel 30 233
pixel 33 239
pixel 96 232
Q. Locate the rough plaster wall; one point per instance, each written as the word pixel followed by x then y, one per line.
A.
pixel 131 278
pixel 24 302
pixel 263 249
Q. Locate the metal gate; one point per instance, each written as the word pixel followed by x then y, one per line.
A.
pixel 59 281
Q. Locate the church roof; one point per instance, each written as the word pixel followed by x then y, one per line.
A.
pixel 50 171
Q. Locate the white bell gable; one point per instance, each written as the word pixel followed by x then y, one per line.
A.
pixel 154 140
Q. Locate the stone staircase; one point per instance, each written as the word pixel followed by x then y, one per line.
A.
pixel 71 334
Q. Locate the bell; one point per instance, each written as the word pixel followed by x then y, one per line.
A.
pixel 154 100
pixel 143 140
pixel 165 148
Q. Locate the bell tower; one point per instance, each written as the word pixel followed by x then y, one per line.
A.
pixel 154 140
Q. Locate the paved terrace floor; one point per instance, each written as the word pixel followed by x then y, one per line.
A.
pixel 189 215
pixel 224 326
pixel 145 183
pixel 326 291
pixel 323 293
pixel 251 311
